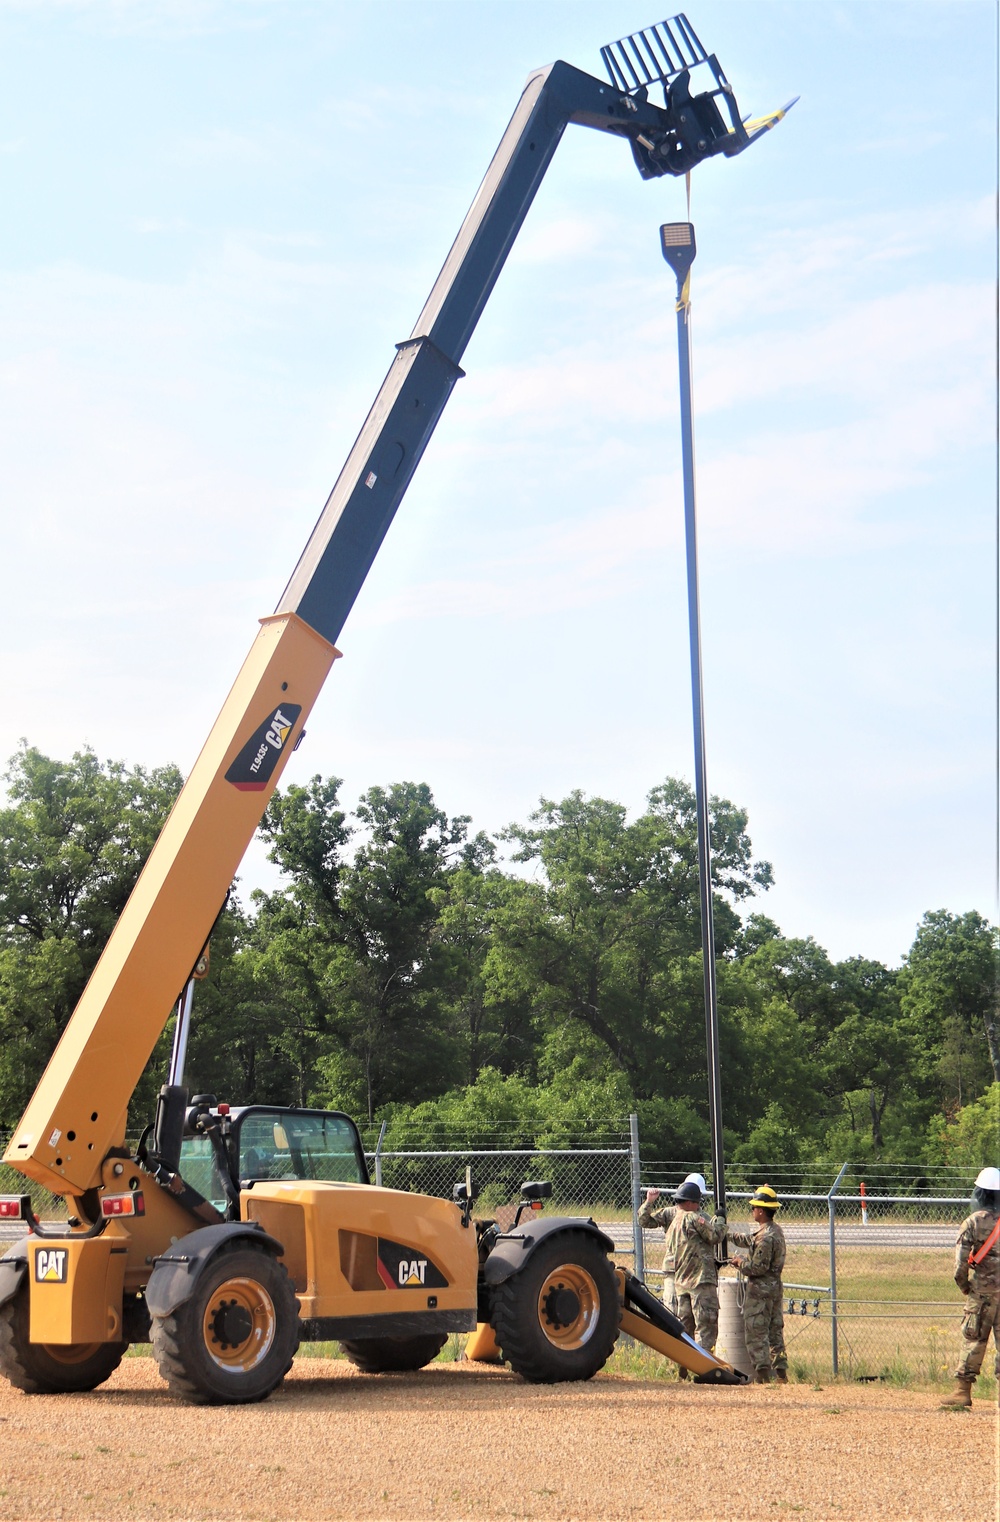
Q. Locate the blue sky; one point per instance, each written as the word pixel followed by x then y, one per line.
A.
pixel 219 218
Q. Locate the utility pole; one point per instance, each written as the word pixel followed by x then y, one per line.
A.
pixel 678 245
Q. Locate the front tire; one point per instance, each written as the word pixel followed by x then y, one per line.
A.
pixel 558 1318
pixel 49 1368
pixel 233 1341
pixel 394 1355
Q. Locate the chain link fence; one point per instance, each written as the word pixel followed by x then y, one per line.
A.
pixel 868 1278
pixel 594 1174
pixel 869 1288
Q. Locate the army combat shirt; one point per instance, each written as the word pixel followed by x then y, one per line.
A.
pixel 691 1239
pixel 984 1277
pixel 658 1215
pixel 766 1257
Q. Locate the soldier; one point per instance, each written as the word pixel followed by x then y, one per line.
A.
pixel 691 1239
pixel 977 1274
pixel 663 1217
pixel 763 1321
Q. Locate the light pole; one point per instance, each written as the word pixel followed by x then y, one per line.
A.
pixel 678 245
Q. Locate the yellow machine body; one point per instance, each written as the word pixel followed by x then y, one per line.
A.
pixel 75 1288
pixel 357 1250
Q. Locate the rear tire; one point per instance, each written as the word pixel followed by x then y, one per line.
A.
pixel 233 1341
pixel 49 1368
pixel 394 1355
pixel 558 1318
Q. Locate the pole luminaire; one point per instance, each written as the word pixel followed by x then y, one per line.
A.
pixel 678 245
pixel 694 127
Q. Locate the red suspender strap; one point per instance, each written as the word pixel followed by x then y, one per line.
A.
pixel 977 1257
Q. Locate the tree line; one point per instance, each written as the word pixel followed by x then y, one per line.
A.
pixel 412 970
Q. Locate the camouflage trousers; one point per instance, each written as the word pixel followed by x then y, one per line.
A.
pixel 698 1310
pixel 982 1316
pixel 670 1293
pixel 764 1324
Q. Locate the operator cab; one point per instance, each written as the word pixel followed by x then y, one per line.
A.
pixel 271 1142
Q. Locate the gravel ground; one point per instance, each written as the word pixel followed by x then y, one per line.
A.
pixel 461 1441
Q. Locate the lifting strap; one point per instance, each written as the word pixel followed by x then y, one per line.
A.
pixel 978 1257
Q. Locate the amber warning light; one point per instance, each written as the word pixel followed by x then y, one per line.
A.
pixel 123 1204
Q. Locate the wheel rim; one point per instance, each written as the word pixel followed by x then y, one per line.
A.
pixel 569 1304
pixel 72 1352
pixel 239 1325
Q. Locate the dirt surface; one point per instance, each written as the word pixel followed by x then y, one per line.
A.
pixel 463 1441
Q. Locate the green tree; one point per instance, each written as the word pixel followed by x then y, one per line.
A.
pixel 972 1138
pixel 949 986
pixel 872 1048
pixel 360 957
pixel 616 927
pixel 73 838
pixel 485 995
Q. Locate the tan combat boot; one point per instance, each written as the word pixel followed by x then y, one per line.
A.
pixel 781 1375
pixel 961 1395
pixel 762 1376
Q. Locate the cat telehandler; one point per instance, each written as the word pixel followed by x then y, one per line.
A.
pixel 231 1234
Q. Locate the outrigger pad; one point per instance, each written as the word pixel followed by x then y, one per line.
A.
pixel 721 1377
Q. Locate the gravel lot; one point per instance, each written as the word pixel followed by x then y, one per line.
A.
pixel 461 1441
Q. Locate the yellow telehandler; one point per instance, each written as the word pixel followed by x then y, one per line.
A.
pixel 229 1235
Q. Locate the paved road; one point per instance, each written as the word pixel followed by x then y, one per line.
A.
pixel 817 1234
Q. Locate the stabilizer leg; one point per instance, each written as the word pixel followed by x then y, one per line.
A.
pixel 645 1319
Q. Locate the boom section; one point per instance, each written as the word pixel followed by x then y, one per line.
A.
pixel 369 489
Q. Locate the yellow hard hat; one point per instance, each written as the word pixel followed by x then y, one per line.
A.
pixel 765 1198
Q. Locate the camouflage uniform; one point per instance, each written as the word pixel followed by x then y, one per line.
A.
pixel 691 1239
pixel 981 1283
pixel 662 1215
pixel 763 1321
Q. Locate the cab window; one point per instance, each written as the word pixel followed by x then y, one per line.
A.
pixel 277 1144
pixel 198 1168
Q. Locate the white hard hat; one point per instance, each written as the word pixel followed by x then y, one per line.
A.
pixel 988 1178
pixel 699 1179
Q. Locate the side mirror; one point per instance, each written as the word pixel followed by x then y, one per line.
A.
pixel 463 1197
pixel 541 1189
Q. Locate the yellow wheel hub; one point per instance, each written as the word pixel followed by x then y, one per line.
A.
pixel 568 1306
pixel 239 1324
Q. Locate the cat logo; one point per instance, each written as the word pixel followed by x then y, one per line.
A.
pixel 253 768
pixel 50 1265
pixel 400 1268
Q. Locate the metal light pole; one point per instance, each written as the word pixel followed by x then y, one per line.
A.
pixel 678 245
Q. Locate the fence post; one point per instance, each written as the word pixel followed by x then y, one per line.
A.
pixel 637 1238
pixel 832 1208
pixel 378 1154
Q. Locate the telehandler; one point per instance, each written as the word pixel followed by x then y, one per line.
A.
pixel 232 1234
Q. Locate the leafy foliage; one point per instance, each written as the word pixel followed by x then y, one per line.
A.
pixel 404 971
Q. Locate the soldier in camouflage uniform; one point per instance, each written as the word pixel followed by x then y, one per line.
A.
pixel 977 1274
pixel 763 1321
pixel 691 1240
pixel 648 1216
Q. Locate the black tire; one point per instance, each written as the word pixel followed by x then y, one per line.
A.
pixel 40 1368
pixel 558 1318
pixel 233 1341
pixel 394 1355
